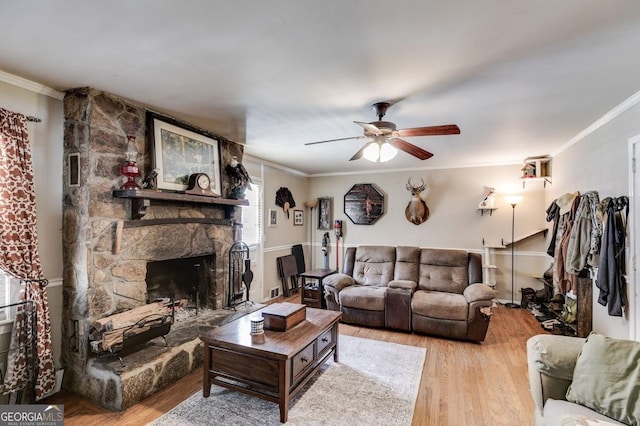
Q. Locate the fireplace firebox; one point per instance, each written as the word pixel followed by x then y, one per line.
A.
pixel 188 278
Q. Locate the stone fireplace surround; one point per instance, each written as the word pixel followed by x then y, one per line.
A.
pixel 99 282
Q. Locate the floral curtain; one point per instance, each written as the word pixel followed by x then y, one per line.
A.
pixel 19 257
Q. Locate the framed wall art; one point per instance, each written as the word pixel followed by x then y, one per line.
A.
pixel 180 151
pixel 74 169
pixel 273 218
pixel 298 216
pixel 324 213
pixel 363 204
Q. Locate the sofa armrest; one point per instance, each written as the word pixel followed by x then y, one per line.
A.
pixel 403 285
pixel 331 298
pixel 551 360
pixel 338 281
pixel 477 292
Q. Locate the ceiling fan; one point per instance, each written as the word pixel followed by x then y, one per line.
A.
pixel 385 137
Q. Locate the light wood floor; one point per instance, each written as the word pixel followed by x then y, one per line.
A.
pixel 462 383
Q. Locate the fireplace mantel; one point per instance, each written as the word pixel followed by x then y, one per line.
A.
pixel 141 199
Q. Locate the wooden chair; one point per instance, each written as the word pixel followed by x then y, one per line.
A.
pixel 288 271
pixel 298 253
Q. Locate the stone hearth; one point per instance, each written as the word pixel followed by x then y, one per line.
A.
pixel 100 280
pixel 120 383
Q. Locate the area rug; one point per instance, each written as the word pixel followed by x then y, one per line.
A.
pixel 373 383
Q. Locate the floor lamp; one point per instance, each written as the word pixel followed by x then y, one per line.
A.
pixel 513 200
pixel 311 205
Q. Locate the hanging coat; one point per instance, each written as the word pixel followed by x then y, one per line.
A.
pixel 611 269
pixel 553 214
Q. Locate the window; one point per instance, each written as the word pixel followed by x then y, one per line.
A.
pixel 9 292
pixel 252 215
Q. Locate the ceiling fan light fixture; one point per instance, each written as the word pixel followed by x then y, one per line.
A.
pixel 379 152
pixel 387 152
pixel 387 140
pixel 372 152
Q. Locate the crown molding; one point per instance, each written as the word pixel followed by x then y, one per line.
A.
pixel 417 169
pixel 253 159
pixel 30 85
pixel 605 119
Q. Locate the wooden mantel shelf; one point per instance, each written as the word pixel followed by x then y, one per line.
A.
pixel 141 199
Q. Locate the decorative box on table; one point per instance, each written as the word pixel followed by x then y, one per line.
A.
pixel 283 316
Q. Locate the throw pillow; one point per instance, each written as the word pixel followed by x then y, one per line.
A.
pixel 607 378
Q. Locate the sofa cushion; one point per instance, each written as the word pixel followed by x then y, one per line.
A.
pixel 374 265
pixel 407 264
pixel 565 413
pixel 363 297
pixel 607 378
pixel 434 304
pixel 554 355
pixel 443 270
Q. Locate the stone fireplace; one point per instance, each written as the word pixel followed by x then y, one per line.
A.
pixel 107 270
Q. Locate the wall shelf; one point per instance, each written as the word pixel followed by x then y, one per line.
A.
pixel 490 210
pixel 488 266
pixel 536 169
pixel 141 199
pixel 524 237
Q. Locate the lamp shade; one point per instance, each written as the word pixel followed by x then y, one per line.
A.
pixel 387 152
pixel 513 199
pixel 311 204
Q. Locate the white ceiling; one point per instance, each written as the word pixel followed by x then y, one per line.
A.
pixel 519 77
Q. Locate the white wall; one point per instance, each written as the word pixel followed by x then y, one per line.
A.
pixel 452 196
pixel 599 162
pixel 277 240
pixel 46 140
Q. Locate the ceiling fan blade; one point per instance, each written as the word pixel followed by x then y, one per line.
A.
pixel 369 127
pixel 358 155
pixel 448 129
pixel 410 148
pixel 335 140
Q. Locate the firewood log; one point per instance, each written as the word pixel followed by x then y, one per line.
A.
pixel 128 318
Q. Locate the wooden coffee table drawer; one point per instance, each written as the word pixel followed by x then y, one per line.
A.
pixel 263 372
pixel 302 360
pixel 325 340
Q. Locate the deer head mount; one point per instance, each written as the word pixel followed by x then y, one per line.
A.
pixel 417 211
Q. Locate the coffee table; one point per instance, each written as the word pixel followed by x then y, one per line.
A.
pixel 273 366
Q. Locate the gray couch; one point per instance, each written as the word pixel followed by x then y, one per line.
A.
pixel 551 360
pixel 426 290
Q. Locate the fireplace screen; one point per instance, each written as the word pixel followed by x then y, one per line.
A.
pixel 188 278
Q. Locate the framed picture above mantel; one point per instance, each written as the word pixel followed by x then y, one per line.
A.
pixel 179 151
